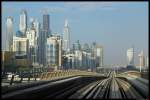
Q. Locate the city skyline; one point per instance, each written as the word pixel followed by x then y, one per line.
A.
pixel 116 38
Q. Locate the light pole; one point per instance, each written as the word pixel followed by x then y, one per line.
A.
pixel 3 62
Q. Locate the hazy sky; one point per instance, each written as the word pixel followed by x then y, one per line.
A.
pixel 115 25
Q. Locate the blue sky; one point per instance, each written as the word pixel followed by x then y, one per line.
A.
pixel 115 25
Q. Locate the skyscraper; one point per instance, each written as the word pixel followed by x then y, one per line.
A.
pixel 20 47
pixel 53 51
pixel 9 33
pixel 147 62
pixel 86 59
pixel 93 55
pixel 42 47
pixel 46 24
pixel 130 56
pixel 78 59
pixel 142 59
pixel 66 37
pixel 99 56
pixel 77 45
pixel 37 27
pixel 23 22
pixel 93 49
pixel 31 36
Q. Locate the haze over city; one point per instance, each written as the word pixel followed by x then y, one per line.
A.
pixel 75 50
pixel 115 25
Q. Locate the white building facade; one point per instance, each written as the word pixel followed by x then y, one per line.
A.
pixel 23 21
pixel 130 56
pixel 54 52
pixel 31 36
pixel 66 37
pixel 147 61
pixel 99 56
pixel 142 59
pixel 9 34
pixel 20 47
pixel 78 59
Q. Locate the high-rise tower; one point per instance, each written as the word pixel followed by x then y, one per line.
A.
pixel 130 56
pixel 66 37
pixel 99 56
pixel 9 34
pixel 23 22
pixel 46 24
pixel 142 59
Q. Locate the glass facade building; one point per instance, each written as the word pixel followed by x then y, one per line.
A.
pixel 53 51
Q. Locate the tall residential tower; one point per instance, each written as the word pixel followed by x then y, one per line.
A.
pixel 23 22
pixel 46 24
pixel 130 56
pixel 142 59
pixel 66 37
pixel 99 56
pixel 9 34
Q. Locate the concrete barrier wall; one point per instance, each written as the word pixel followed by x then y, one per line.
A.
pixel 60 74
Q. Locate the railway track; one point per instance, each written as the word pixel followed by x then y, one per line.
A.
pixel 128 92
pixel 110 87
pixel 54 89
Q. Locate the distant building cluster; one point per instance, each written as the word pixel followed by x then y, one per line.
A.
pixel 86 57
pixel 35 45
pixel 143 60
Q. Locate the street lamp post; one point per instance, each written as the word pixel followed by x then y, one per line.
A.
pixel 3 62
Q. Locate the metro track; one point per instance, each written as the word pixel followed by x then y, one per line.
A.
pixel 110 87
